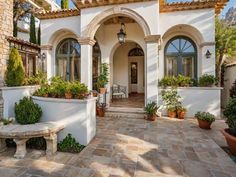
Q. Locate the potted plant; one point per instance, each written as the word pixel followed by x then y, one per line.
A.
pixel 171 100
pixel 207 80
pixel 68 94
pixel 205 119
pixel 171 112
pixel 151 111
pixel 184 81
pixel 181 111
pixel 103 78
pixel 230 132
pixel 101 109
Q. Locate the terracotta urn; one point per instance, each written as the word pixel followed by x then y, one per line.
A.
pixel 181 114
pixel 152 117
pixel 172 114
pixel 103 90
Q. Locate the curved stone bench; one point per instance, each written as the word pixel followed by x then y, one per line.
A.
pixel 22 133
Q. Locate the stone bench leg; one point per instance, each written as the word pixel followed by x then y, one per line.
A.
pixel 3 146
pixel 51 144
pixel 20 148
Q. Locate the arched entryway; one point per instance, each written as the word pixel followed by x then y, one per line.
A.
pixel 128 76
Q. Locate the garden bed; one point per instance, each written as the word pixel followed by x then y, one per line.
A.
pixel 78 116
pixel 198 99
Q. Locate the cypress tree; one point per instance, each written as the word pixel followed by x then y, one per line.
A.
pixel 32 30
pixel 15 28
pixel 64 4
pixel 39 35
pixel 15 71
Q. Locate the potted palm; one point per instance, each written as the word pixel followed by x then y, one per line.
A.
pixel 103 78
pixel 205 119
pixel 181 111
pixel 151 111
pixel 230 132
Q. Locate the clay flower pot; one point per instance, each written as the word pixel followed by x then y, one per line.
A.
pixel 204 124
pixel 171 114
pixel 68 95
pixel 231 141
pixel 101 112
pixel 103 90
pixel 152 117
pixel 181 114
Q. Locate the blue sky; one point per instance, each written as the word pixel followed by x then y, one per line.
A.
pixel 231 3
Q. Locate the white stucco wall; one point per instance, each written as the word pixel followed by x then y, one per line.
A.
pixel 229 79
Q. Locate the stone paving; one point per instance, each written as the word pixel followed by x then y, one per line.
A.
pixel 133 147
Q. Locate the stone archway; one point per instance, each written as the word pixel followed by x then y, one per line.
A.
pixel 93 26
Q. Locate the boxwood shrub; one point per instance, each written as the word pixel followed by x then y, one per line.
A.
pixel 27 112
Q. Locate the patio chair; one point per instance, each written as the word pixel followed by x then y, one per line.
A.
pixel 118 91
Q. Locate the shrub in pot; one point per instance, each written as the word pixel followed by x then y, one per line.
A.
pixel 151 111
pixel 181 111
pixel 205 119
pixel 102 78
pixel 207 80
pixel 68 93
pixel 168 81
pixel 184 81
pixel 27 112
pixel 15 71
pixel 230 132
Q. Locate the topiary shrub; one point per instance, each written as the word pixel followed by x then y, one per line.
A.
pixel 230 116
pixel 233 90
pixel 27 112
pixel 69 144
pixel 15 71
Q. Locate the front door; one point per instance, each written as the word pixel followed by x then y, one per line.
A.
pixel 134 77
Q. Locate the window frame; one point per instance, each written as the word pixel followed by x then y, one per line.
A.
pixel 180 55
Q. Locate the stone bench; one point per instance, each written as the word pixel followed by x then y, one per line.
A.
pixel 22 133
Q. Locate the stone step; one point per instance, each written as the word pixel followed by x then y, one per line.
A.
pixel 117 112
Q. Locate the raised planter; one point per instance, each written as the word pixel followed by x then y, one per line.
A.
pixel 196 99
pixel 11 95
pixel 78 116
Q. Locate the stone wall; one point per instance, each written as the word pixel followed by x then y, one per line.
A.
pixel 6 29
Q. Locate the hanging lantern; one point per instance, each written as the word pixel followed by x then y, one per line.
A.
pixel 122 34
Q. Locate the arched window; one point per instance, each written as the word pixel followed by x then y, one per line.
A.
pixel 181 57
pixel 68 59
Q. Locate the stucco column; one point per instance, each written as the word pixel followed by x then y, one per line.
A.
pixel 87 61
pixel 46 51
pixel 151 68
pixel 208 64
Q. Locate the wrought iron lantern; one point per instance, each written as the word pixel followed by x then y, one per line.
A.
pixel 122 34
pixel 208 54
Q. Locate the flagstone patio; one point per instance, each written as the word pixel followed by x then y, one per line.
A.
pixel 134 147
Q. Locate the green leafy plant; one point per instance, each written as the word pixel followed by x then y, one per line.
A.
pixel 181 109
pixel 39 79
pixel 233 90
pixel 7 121
pixel 15 71
pixel 171 98
pixel 184 81
pixel 168 81
pixel 207 80
pixel 27 112
pixel 103 77
pixel 69 144
pixel 151 108
pixel 205 116
pixel 36 143
pixel 43 91
pixel 230 115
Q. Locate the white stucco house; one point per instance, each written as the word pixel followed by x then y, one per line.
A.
pixel 161 39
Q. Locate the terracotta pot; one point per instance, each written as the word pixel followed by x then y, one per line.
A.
pixel 68 95
pixel 181 114
pixel 103 90
pixel 171 114
pixel 101 112
pixel 95 94
pixel 231 141
pixel 204 124
pixel 152 117
pixel 45 95
pixel 97 111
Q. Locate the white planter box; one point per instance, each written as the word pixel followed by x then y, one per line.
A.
pixel 11 95
pixel 78 116
pixel 198 99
